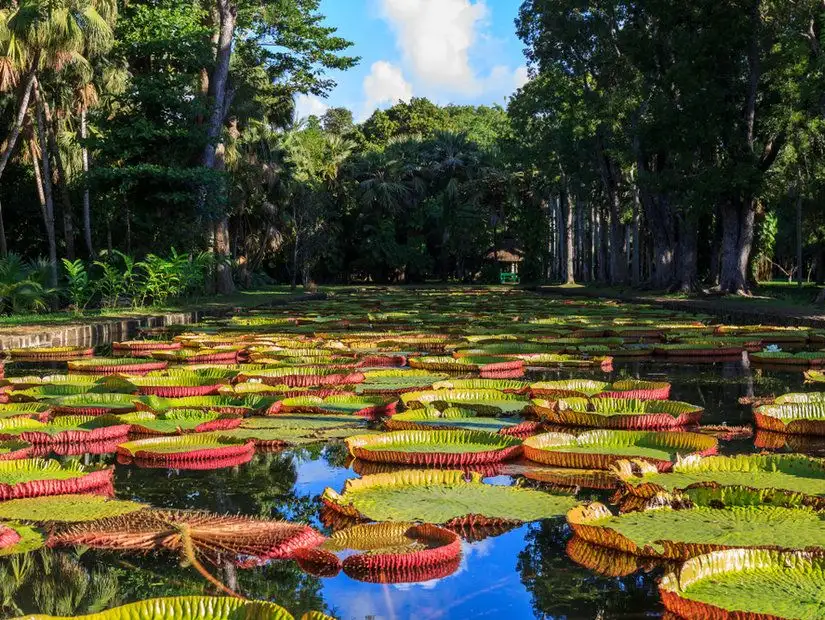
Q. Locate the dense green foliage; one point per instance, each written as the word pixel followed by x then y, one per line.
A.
pixel 136 130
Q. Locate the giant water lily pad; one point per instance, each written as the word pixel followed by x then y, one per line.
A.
pixel 397 381
pixel 50 353
pixel 783 473
pixel 190 608
pixel 113 365
pixel 490 402
pixel 211 534
pixel 567 388
pixel 680 530
pixel 25 410
pixel 747 584
pixel 445 448
pixel 243 405
pixel 177 386
pixel 363 406
pixel 618 413
pixel 93 404
pixel 303 376
pixel 65 508
pixel 38 477
pixel 397 552
pixel 502 385
pixel 795 418
pixel 438 496
pixel 178 421
pixel 602 449
pixel 65 429
pixel 297 429
pixel 457 418
pixel 188 450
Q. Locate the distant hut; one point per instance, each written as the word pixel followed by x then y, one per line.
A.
pixel 507 257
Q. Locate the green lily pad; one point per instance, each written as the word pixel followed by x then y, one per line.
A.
pixel 792 473
pixel 749 583
pixel 65 508
pixel 297 429
pixel 190 608
pixel 683 530
pixel 438 496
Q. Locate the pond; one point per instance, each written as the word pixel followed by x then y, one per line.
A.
pixel 526 571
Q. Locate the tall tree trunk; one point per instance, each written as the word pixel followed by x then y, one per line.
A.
pixel 799 238
pixel 737 238
pixel 4 248
pixel 687 255
pixel 636 275
pixel 62 180
pixel 218 83
pixel 570 256
pixel 46 183
pixel 87 200
pixel 22 109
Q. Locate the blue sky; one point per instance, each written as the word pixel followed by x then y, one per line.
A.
pixel 451 51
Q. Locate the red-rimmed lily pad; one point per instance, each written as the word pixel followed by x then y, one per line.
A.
pixel 233 536
pixel 457 418
pixel 116 365
pixel 447 497
pixel 180 421
pixel 489 402
pixel 747 584
pixel 397 552
pixel 65 430
pixel 303 376
pixel 677 529
pixel 618 413
pixel 50 353
pixel 794 418
pixel 242 405
pixel 93 404
pixel 177 386
pixel 192 451
pixel 351 404
pixel 191 608
pixel 297 429
pixel 39 477
pixel 603 448
pixel 795 475
pixel 434 448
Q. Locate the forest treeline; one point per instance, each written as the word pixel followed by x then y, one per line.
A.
pixel 673 145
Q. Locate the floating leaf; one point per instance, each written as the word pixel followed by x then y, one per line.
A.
pixel 65 508
pixel 602 449
pixel 296 429
pixel 444 448
pixel 210 534
pixel 190 608
pixel 747 583
pixel 437 496
pixel 187 450
pixel 682 530
pixel 38 477
pixel 456 418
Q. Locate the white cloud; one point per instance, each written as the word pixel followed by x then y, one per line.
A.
pixel 521 77
pixel 435 38
pixel 308 105
pixel 385 84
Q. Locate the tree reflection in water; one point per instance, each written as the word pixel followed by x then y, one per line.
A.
pixel 560 588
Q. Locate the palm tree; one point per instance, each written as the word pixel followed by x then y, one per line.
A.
pixel 48 34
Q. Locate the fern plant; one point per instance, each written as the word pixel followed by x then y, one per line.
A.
pixel 80 289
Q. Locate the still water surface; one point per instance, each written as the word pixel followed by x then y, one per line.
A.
pixel 524 573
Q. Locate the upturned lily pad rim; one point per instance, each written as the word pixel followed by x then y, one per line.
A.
pixel 549 448
pixel 190 607
pixel 674 586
